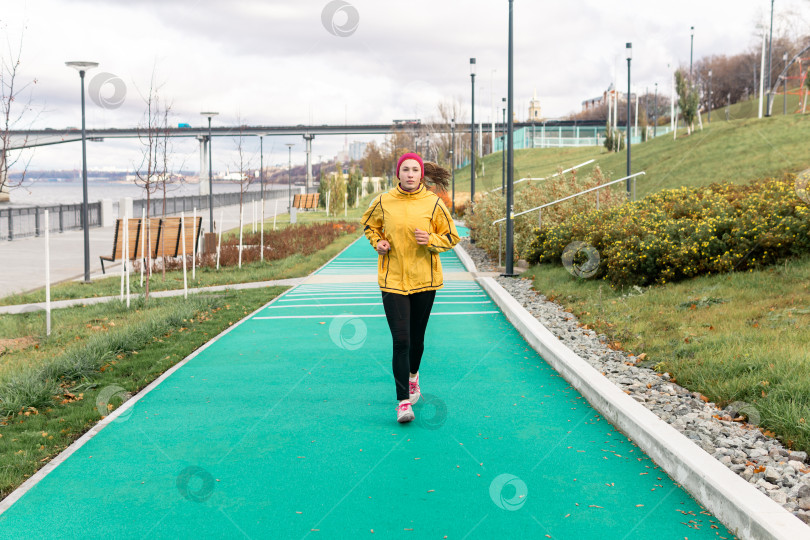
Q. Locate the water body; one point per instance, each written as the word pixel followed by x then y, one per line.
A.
pixel 56 191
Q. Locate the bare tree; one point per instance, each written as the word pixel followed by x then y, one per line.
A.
pixel 152 172
pixel 13 109
pixel 449 110
pixel 243 161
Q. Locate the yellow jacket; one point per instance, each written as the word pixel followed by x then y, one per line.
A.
pixel 408 267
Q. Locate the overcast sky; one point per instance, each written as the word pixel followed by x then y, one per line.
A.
pixel 295 62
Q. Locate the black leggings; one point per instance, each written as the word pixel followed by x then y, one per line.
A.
pixel 407 316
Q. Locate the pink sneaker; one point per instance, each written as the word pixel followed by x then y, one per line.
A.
pixel 413 390
pixel 404 412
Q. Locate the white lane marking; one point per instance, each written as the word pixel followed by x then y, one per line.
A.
pixel 370 304
pixel 339 297
pixel 370 315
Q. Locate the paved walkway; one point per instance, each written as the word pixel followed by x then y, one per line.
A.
pixel 24 259
pixel 284 427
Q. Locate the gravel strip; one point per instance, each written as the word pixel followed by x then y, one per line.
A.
pixel 782 474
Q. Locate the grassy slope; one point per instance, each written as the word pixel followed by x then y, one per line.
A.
pixel 736 151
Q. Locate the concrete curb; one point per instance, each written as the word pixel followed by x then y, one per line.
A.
pixel 738 504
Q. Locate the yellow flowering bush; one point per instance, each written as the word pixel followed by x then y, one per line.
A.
pixel 686 232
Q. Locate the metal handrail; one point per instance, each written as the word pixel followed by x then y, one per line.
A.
pixel 540 208
pixel 548 177
pixel 571 196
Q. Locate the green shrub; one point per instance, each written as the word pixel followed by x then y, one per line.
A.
pixel 682 233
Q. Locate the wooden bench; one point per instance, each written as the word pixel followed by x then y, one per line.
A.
pixel 169 242
pixel 164 238
pixel 307 201
pixel 134 225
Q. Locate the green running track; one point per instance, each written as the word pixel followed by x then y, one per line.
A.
pixel 285 427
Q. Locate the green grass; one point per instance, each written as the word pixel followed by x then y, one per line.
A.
pixel 745 338
pixel 750 108
pixel 534 162
pixel 736 151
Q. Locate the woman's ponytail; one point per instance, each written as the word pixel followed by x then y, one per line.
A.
pixel 437 175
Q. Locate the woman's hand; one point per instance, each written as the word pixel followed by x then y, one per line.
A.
pixel 383 247
pixel 422 237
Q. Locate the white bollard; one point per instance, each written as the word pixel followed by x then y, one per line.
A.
pixel 261 235
pixel 194 246
pixel 47 276
pixel 143 242
pixel 241 219
pixel 127 261
pixel 148 243
pixel 183 236
pixel 219 242
pixel 123 233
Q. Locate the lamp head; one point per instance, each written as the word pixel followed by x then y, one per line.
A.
pixel 472 66
pixel 81 66
pixel 710 73
pixel 629 49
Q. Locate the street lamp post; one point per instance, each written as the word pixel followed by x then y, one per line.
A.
pixel 472 137
pixel 210 115
pixel 768 80
pixel 503 150
pixel 710 96
pixel 691 48
pixel 784 82
pixel 655 113
pixel 629 48
pixel 261 165
pixel 82 67
pixel 510 157
pixel 289 176
pixel 453 165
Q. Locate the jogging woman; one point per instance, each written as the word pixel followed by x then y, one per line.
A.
pixel 409 226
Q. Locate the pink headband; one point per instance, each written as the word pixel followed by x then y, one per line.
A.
pixel 411 155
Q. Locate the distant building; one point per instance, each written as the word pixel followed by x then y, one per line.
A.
pixel 357 150
pixel 607 95
pixel 534 109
